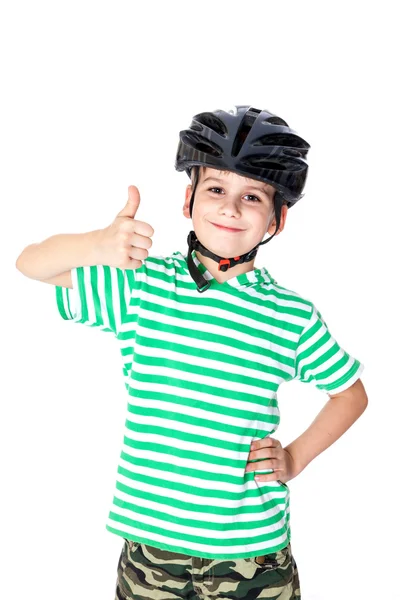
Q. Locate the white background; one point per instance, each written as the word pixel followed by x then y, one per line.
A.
pixel 93 96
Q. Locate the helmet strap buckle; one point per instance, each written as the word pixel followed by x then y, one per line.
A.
pixel 225 263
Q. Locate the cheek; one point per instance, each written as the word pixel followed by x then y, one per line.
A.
pixel 259 220
pixel 197 218
pixel 200 209
pixel 268 218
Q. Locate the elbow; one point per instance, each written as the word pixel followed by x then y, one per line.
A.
pixel 23 260
pixel 19 264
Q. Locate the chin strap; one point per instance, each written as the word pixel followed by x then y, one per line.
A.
pixel 223 263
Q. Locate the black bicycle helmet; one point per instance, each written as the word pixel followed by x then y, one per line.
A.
pixel 250 142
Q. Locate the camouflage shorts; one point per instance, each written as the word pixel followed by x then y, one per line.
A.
pixel 148 573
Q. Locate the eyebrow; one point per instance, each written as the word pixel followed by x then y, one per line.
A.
pixel 253 187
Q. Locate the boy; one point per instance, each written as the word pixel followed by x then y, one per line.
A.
pixel 206 339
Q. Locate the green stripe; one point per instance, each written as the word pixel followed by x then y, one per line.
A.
pixel 203 459
pixel 170 415
pixel 201 370
pixel 82 295
pixel 195 386
pixel 212 496
pixel 206 524
pixel 255 539
pixel 321 360
pixel 188 437
pixel 335 367
pixel 96 297
pixel 177 401
pixel 225 340
pixel 230 309
pixel 346 377
pixel 224 358
pixel 186 550
pixel 60 302
pixel 108 293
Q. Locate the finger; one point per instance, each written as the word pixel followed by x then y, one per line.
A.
pixel 264 443
pixel 131 207
pixel 138 253
pixel 273 442
pixel 133 263
pixel 263 453
pixel 265 464
pixel 140 241
pixel 269 477
pixel 140 227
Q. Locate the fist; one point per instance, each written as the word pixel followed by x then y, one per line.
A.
pixel 125 242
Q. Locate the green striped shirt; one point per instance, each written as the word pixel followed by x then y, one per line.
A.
pixel 202 372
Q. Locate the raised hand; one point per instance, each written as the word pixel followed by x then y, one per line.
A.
pixel 124 243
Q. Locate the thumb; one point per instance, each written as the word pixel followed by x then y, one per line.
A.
pixel 130 208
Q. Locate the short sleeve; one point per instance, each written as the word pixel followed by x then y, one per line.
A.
pixel 321 361
pixel 101 297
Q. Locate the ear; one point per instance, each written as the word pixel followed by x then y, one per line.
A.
pixel 272 227
pixel 186 206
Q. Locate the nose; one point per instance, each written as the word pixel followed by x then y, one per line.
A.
pixel 230 205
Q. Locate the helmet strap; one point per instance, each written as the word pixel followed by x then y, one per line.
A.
pixel 223 263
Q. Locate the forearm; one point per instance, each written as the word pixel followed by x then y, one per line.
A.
pixel 336 417
pixel 58 253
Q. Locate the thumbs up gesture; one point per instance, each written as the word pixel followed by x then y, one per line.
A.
pixel 124 243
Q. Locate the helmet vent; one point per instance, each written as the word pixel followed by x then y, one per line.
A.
pixel 210 120
pixel 244 129
pixel 292 152
pixel 261 162
pixel 281 139
pixel 276 121
pixel 193 140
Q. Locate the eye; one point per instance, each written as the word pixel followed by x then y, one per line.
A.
pixel 250 195
pixel 258 199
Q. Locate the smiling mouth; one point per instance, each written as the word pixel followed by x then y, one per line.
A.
pixel 226 228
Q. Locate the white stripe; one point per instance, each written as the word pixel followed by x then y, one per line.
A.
pixel 194 546
pixel 349 382
pixel 194 430
pixel 154 438
pixel 202 531
pixel 161 475
pixel 205 379
pixel 199 413
pixel 214 363
pixel 263 407
pixel 170 510
pixel 260 356
pixel 225 315
pixel 279 494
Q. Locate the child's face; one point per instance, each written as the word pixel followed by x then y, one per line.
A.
pixel 232 200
